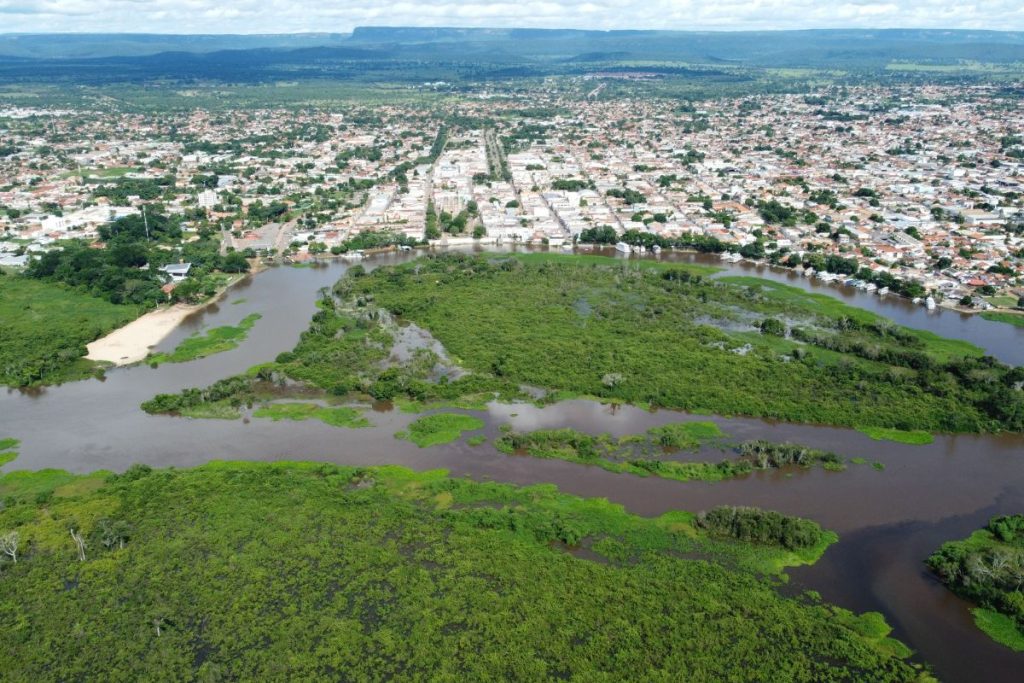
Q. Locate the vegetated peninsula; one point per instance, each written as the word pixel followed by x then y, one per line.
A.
pixel 988 569
pixel 286 571
pixel 658 335
pixel 666 337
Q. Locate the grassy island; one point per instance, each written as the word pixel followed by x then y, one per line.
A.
pixel 217 340
pixel 287 571
pixel 646 454
pixel 433 430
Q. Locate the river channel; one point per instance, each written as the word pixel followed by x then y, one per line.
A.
pixel 889 521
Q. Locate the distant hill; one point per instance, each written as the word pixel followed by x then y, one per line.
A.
pixel 93 45
pixel 410 54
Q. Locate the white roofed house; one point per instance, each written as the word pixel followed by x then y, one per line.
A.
pixel 176 271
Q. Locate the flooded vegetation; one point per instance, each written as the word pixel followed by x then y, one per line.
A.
pixel 888 522
pixel 467 567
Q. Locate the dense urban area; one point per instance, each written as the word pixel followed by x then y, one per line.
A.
pixel 905 191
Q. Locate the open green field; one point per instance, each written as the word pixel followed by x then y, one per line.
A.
pixel 45 327
pixel 301 571
pixel 217 340
pixel 537 257
pixel 940 348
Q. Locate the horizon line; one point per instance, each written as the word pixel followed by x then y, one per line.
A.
pixel 516 28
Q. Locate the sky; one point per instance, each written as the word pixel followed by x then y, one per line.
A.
pixel 294 16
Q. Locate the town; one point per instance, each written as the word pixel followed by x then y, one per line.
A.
pixel 909 191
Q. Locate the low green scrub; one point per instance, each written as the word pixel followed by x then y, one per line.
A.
pixel 217 340
pixel 987 569
pixel 915 437
pixel 334 416
pixel 44 329
pixel 212 410
pixel 1015 319
pixel 8 450
pixel 434 430
pixel 310 571
pixel 764 527
pixel 681 436
pixel 765 455
pixel 643 454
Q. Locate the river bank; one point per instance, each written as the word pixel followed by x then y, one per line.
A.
pixel 133 342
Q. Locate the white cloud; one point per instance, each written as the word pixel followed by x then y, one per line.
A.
pixel 284 16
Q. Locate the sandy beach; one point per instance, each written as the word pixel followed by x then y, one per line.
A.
pixel 131 343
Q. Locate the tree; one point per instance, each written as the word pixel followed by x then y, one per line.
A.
pixel 79 543
pixel 234 262
pixel 754 250
pixel 479 232
pixel 1020 302
pixel 773 327
pixel 9 545
pixel 113 533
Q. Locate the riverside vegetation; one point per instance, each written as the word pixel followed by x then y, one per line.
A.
pixel 44 329
pixel 647 335
pixel 74 295
pixel 988 569
pixel 8 449
pixel 284 571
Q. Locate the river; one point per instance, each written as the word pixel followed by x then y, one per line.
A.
pixel 889 521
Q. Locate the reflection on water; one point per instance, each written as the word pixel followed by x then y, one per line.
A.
pixel 889 521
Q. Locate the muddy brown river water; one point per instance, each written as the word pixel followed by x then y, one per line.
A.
pixel 888 521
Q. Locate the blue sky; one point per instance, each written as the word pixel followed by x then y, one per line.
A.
pixel 290 16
